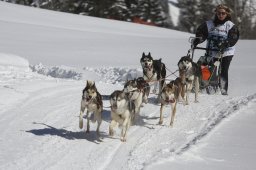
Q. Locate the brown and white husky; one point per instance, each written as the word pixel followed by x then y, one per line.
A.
pixel 92 102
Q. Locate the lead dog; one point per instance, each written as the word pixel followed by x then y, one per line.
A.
pixel 137 91
pixel 154 71
pixel 121 111
pixel 189 73
pixel 92 101
pixel 170 95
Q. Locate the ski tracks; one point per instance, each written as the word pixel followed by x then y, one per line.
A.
pixel 46 126
pixel 148 142
pixel 192 124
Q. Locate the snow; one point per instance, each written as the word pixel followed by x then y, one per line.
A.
pixel 46 58
pixel 174 12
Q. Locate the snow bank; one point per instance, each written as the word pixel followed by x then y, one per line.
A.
pixel 111 75
pixel 10 62
pixel 57 71
pixel 115 75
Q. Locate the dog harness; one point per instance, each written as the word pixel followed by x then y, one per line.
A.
pixel 217 34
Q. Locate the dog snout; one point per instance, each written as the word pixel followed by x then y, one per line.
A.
pixel 167 98
pixel 87 98
pixel 114 106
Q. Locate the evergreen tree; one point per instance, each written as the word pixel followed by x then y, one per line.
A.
pixel 98 8
pixel 119 11
pixel 51 4
pixel 166 10
pixel 150 11
pixel 193 13
pixel 188 12
pixel 24 2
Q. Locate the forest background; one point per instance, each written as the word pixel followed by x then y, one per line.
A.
pixel 182 15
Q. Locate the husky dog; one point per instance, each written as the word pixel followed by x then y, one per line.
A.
pixel 170 95
pixel 154 71
pixel 92 101
pixel 136 94
pixel 189 73
pixel 121 111
pixel 144 87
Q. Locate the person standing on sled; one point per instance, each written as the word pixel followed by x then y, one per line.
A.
pixel 221 34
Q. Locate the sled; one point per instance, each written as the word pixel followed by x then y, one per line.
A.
pixel 209 79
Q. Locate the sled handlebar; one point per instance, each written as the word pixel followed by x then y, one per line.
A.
pixel 202 48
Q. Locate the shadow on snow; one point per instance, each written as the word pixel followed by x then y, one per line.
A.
pixel 70 135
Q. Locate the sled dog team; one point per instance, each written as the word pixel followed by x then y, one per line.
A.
pixel 126 103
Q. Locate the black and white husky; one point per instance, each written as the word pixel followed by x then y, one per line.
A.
pixel 92 102
pixel 121 111
pixel 189 73
pixel 154 71
pixel 137 91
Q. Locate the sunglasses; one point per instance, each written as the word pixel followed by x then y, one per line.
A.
pixel 221 13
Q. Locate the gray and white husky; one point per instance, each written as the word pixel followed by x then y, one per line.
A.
pixel 92 102
pixel 189 74
pixel 121 111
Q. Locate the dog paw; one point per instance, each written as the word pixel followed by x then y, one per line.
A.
pixel 123 139
pixel 145 101
pixel 160 122
pixel 100 139
pixel 111 133
pixel 171 124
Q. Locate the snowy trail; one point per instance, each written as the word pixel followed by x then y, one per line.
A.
pixel 42 130
pixel 36 110
pixel 166 141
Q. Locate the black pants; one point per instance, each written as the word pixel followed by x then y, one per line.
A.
pixel 225 62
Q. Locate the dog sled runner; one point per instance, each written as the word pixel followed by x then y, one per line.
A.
pixel 209 79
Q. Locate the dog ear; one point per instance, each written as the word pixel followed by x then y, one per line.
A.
pixel 90 83
pixel 135 81
pixel 149 54
pixel 143 54
pixel 87 83
pixel 93 84
pixel 123 94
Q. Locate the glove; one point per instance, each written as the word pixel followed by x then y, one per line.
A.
pixel 216 63
pixel 196 42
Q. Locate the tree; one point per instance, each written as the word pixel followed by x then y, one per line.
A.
pixel 150 11
pixel 98 8
pixel 51 4
pixel 189 12
pixel 119 11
